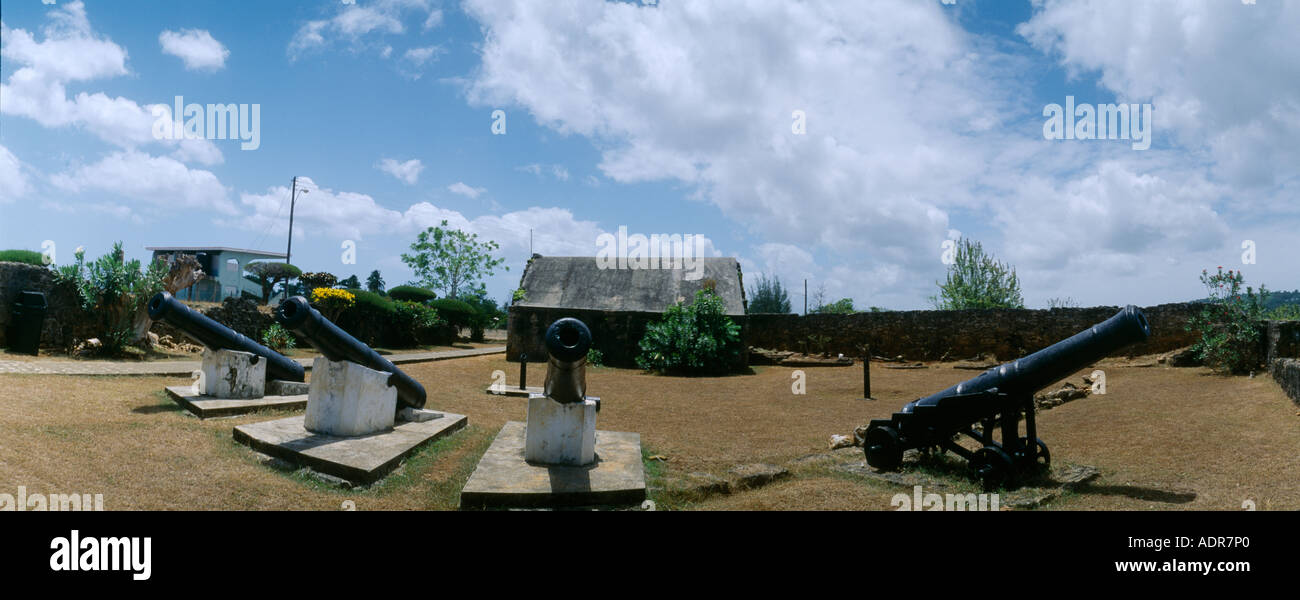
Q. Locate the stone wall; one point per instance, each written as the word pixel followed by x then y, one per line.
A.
pixel 936 335
pixel 1286 372
pixel 1282 340
pixel 64 321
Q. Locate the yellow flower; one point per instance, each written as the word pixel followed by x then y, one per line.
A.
pixel 334 298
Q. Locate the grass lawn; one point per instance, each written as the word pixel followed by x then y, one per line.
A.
pixel 1162 439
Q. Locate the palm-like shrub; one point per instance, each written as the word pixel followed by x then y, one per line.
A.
pixel 692 339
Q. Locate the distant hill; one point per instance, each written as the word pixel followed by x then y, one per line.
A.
pixel 1275 299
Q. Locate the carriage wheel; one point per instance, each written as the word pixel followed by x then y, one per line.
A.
pixel 883 449
pixel 994 467
pixel 1044 456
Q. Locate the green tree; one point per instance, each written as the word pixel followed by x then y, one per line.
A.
pixel 312 281
pixel 451 260
pixel 270 274
pixel 768 296
pixel 843 306
pixel 1228 326
pixel 351 283
pixel 978 280
pixel 375 282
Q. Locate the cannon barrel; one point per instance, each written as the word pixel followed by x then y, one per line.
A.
pixel 216 336
pixel 1053 363
pixel 567 341
pixel 335 344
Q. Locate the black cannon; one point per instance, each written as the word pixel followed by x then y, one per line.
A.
pixel 996 398
pixel 307 322
pixel 567 341
pixel 216 336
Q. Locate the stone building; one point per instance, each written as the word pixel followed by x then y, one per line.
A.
pixel 616 303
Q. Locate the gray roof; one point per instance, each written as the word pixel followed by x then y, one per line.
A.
pixel 579 282
pixel 213 249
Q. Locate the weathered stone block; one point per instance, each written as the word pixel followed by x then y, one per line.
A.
pixel 231 374
pixel 560 433
pixel 347 399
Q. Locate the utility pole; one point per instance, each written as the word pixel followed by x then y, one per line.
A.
pixel 288 253
pixel 293 195
pixel 805 282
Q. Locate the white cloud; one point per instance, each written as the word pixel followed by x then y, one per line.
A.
pixel 196 47
pixel 408 171
pixel 152 180
pixel 13 182
pixel 465 190
pixel 692 94
pixel 433 20
pixel 560 172
pixel 914 126
pixel 70 52
pixel 354 22
pixel 1221 76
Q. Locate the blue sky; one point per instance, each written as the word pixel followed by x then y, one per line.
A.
pixel 922 121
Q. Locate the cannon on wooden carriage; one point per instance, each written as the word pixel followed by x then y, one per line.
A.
pixel 335 344
pixel 995 400
pixel 216 337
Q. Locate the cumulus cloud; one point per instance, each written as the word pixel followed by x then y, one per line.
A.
pixel 462 189
pixel 72 52
pixel 849 139
pixel 196 48
pixel 140 178
pixel 408 171
pixel 1221 75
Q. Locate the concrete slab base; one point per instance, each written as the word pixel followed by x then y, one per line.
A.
pixel 504 479
pixel 207 407
pixel 360 459
pixel 514 391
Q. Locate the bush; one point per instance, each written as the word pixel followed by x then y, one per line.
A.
pixel 114 291
pixel 695 339
pixel 1228 328
pixel 411 293
pixel 277 338
pixel 456 312
pixel 29 257
pixel 595 358
pixel 420 324
pixel 1285 312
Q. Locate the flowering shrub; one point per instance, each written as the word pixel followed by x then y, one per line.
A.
pixel 1228 327
pixel 332 301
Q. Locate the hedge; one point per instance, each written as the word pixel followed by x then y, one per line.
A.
pixel 411 293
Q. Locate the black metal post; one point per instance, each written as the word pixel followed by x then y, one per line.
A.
pixel 523 370
pixel 866 376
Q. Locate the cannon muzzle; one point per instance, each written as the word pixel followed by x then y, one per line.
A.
pixel 335 344
pixel 216 336
pixel 567 341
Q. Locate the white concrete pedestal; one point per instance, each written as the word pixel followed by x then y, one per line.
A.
pixel 230 374
pixel 347 399
pixel 560 434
